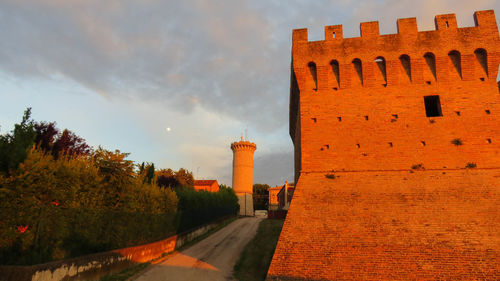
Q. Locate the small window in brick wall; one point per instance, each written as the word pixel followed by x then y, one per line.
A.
pixel 432 106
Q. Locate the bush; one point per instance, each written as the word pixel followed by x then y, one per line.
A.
pixel 199 207
pixel 53 209
pixel 59 198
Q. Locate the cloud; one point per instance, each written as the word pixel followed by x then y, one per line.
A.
pixel 229 59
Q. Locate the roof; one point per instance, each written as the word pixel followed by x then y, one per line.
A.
pixel 205 182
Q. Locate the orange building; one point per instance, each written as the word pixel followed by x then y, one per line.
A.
pixel 285 196
pixel 273 197
pixel 207 185
pixel 397 154
pixel 243 151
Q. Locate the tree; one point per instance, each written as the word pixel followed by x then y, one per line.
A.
pixel 150 173
pixel 169 178
pixel 184 177
pixel 166 178
pixel 46 134
pixel 260 196
pixel 70 143
pixel 14 147
pixel 50 140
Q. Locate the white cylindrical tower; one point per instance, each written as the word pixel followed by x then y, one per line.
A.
pixel 243 174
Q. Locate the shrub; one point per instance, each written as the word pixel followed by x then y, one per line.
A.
pixel 330 176
pixel 471 165
pixel 418 167
pixel 53 209
pixel 199 207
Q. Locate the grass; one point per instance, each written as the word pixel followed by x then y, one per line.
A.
pixel 256 257
pixel 135 269
pixel 126 273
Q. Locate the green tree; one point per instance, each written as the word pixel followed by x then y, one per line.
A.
pixel 150 173
pixel 260 196
pixel 14 146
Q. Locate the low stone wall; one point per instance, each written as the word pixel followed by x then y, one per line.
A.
pixel 93 267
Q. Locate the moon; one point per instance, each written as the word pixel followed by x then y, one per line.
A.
pixel 168 129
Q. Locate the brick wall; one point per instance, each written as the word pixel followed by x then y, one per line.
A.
pixel 382 124
pixel 383 191
pixel 401 225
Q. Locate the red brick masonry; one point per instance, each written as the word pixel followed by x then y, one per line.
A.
pixel 425 225
pixel 383 192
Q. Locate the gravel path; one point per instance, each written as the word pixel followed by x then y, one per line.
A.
pixel 211 259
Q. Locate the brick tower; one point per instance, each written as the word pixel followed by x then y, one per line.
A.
pixel 243 174
pixel 397 154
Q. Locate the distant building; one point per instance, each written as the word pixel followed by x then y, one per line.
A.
pixel 207 185
pixel 243 174
pixel 273 197
pixel 279 200
pixel 285 195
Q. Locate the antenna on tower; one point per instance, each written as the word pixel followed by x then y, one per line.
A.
pixel 246 134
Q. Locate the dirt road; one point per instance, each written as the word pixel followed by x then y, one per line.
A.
pixel 211 259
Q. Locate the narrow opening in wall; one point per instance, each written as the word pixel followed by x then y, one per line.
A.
pixel 390 144
pixel 314 120
pixel 340 119
pixel 358 145
pixel 333 34
pixel 487 111
pixel 395 116
pixel 336 73
pixel 382 78
pixel 406 64
pixel 482 59
pixel 358 69
pixel 312 70
pixel 458 113
pixel 482 79
pixel 327 146
pixel 498 77
pixel 455 59
pixel 488 140
pixel 366 117
pixel 447 24
pixel 428 82
pixel 432 106
pixel 423 143
pixel 430 71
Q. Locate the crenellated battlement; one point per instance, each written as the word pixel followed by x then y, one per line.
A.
pixel 448 53
pixel 484 20
pixel 243 145
pixel 391 101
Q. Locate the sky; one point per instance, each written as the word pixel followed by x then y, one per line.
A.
pixel 175 82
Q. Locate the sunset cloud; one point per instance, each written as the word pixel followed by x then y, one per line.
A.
pixel 216 67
